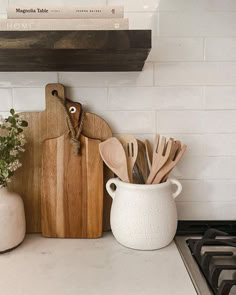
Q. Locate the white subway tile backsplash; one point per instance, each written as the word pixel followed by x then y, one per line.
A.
pixel 92 99
pixel 221 97
pixel 182 5
pixel 4 114
pixel 27 79
pixel 130 122
pixel 5 99
pixel 162 5
pixel 191 167
pixel 156 98
pixel 197 24
pixel 206 211
pixel 208 191
pixel 137 5
pixel 29 99
pixel 140 21
pixel 3 6
pixel 195 73
pixel 220 49
pixel 180 122
pixel 105 79
pixel 219 5
pixel 219 190
pixel 220 122
pixel 192 191
pixel 219 145
pixel 202 167
pixel 176 49
pixel 220 168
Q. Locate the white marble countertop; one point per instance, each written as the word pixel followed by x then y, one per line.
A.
pixel 91 267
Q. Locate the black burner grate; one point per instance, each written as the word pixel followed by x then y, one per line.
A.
pixel 212 275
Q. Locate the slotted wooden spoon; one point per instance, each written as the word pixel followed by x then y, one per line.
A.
pixel 170 165
pixel 113 154
pixel 160 156
pixel 130 146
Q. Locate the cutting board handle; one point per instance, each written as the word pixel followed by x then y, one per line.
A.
pixel 110 190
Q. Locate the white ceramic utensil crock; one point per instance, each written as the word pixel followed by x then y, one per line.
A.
pixel 12 220
pixel 143 217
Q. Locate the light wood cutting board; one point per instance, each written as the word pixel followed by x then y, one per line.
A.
pixel 42 125
pixel 72 189
pixel 97 128
pixel 72 185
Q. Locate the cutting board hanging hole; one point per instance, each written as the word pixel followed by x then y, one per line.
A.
pixel 54 92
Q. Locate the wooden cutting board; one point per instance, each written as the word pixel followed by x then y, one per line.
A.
pixel 97 128
pixel 72 187
pixel 42 125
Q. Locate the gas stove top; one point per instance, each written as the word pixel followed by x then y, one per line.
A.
pixel 210 259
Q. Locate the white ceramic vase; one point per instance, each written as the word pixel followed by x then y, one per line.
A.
pixel 143 217
pixel 12 220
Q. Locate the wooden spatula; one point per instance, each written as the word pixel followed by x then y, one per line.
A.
pixel 113 154
pixel 170 165
pixel 149 153
pixel 160 156
pixel 130 146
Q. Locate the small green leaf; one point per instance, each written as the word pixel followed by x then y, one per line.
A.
pixel 11 120
pixel 24 124
pixel 12 111
pixel 19 130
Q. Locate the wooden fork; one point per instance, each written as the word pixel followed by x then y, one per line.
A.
pixel 173 154
pixel 160 156
pixel 170 165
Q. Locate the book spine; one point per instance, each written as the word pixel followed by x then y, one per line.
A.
pixel 63 25
pixel 44 12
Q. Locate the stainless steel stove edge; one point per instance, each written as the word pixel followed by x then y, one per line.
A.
pixel 195 274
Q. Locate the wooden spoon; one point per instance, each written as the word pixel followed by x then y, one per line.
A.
pixel 149 153
pixel 130 146
pixel 170 165
pixel 160 156
pixel 113 155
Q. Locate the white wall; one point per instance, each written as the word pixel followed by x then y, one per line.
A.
pixel 187 90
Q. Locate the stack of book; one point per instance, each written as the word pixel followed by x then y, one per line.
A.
pixel 41 18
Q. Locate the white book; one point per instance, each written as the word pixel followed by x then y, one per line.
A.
pixel 63 24
pixel 42 12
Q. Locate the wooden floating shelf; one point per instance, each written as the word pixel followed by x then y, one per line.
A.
pixel 89 51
